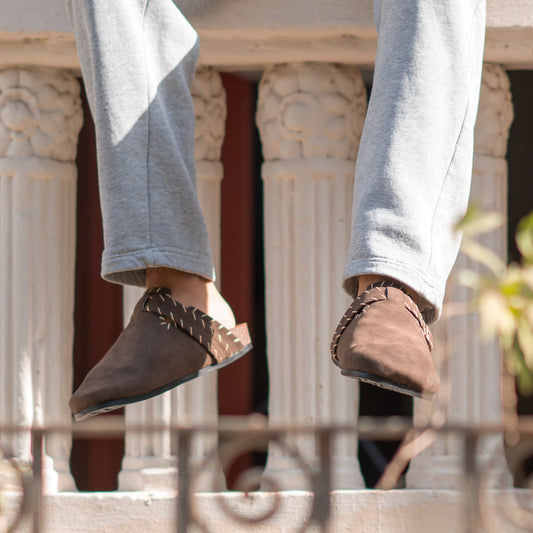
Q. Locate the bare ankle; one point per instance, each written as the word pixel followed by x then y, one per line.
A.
pixel 192 290
pixel 181 284
pixel 175 279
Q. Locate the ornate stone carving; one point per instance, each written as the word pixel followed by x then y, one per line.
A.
pixel 39 114
pixel 310 111
pixel 209 100
pixel 495 113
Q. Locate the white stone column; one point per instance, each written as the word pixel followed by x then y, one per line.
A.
pixel 150 462
pixel 310 117
pixel 40 117
pixel 470 370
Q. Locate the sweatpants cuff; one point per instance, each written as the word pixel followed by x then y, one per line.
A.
pixel 130 268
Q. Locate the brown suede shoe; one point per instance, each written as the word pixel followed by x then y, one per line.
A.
pixel 165 344
pixel 382 339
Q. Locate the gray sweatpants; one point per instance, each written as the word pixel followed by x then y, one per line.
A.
pixel 414 164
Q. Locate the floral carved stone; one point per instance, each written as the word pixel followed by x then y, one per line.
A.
pixel 310 111
pixel 495 112
pixel 40 114
pixel 209 100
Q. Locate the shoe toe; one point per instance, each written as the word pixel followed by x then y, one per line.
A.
pixel 386 338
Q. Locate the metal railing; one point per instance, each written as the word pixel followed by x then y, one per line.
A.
pixel 253 434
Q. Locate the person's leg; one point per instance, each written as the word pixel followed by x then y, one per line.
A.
pixel 138 59
pixel 414 164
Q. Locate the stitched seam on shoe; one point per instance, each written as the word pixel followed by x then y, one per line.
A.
pixel 421 322
pixel 354 311
pixel 208 324
pixel 414 310
pixel 148 118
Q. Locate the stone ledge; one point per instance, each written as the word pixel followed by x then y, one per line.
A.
pixel 401 511
pixel 39 16
pixel 248 34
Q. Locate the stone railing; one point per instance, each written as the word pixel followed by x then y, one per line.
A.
pixel 311 108
pixel 473 506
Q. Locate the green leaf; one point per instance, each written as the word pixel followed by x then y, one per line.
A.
pixel 512 281
pixel 503 295
pixel 477 222
pixel 524 380
pixel 526 272
pixel 524 237
pixel 528 312
pixel 484 256
pixel 469 278
pixel 525 341
pixel 496 318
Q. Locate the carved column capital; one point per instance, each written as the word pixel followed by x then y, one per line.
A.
pixel 39 114
pixel 209 100
pixel 310 111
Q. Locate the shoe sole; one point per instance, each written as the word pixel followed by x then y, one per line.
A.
pixel 385 383
pixel 111 405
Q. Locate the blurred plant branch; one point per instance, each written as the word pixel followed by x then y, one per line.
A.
pixel 503 294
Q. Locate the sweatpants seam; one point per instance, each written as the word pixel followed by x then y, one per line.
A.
pixel 146 251
pixel 439 197
pixel 457 142
pixel 148 118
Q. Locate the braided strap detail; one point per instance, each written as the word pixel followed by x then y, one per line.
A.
pixel 356 309
pixel 366 298
pixel 413 309
pixel 219 341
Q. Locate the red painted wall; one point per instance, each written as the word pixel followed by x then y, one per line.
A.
pixel 98 313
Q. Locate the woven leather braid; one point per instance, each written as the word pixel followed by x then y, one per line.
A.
pixel 212 335
pixel 358 307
